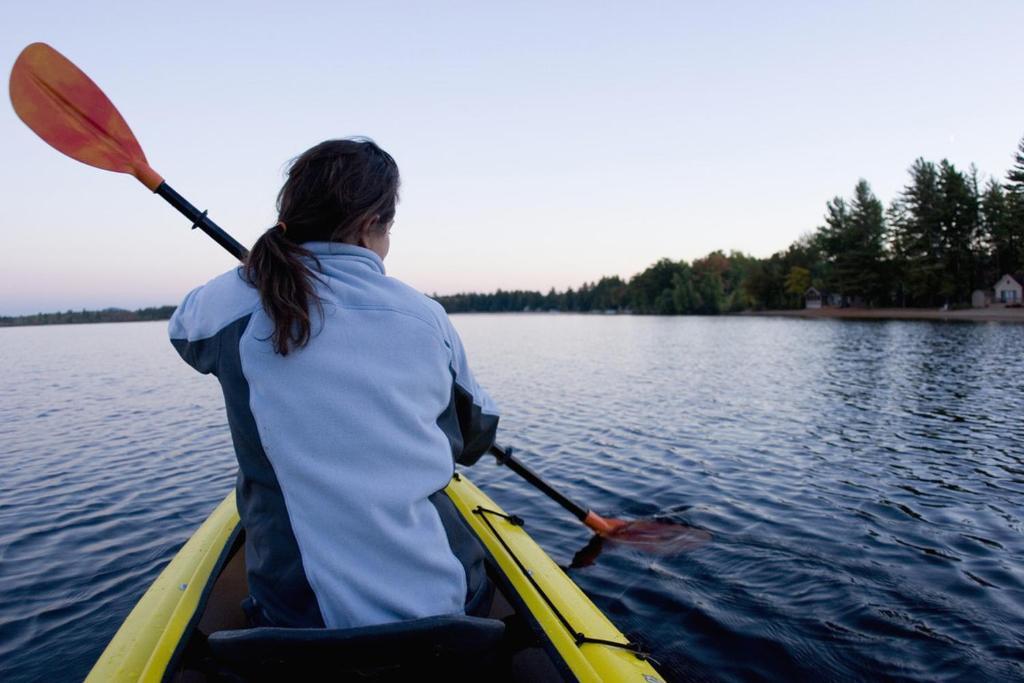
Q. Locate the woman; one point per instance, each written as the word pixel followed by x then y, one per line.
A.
pixel 349 400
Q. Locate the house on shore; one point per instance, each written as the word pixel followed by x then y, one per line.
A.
pixel 1008 290
pixel 816 298
pixel 812 298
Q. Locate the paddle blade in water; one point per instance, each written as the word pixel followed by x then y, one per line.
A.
pixel 655 537
pixel 660 537
pixel 67 110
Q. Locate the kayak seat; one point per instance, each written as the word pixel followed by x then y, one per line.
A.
pixel 406 650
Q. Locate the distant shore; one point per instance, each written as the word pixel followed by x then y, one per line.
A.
pixel 991 314
pixel 107 315
pixel 980 315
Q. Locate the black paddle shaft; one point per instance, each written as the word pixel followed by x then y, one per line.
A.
pixel 505 457
pixel 202 221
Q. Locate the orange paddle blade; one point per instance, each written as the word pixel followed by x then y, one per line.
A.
pixel 67 110
pixel 649 536
pixel 602 525
pixel 660 536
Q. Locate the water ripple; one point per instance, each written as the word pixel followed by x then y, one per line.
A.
pixel 862 482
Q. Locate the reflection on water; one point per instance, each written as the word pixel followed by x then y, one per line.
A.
pixel 862 482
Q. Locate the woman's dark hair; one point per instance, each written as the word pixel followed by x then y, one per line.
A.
pixel 331 192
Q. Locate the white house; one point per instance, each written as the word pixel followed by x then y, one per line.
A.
pixel 1008 291
pixel 812 298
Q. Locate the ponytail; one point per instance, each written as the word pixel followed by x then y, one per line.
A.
pixel 285 283
pixel 332 190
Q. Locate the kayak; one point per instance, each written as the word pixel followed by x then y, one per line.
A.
pixel 190 626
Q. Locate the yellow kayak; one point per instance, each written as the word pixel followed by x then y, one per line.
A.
pixel 189 625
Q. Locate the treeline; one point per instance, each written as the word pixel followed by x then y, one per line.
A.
pixel 943 237
pixel 109 315
pixel 708 285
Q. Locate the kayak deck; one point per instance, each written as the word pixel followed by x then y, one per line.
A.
pixel 553 631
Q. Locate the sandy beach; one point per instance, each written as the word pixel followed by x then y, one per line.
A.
pixel 990 314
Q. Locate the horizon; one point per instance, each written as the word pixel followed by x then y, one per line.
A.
pixel 539 148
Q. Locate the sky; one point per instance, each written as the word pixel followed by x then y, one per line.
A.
pixel 540 144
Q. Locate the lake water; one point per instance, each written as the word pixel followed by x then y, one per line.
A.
pixel 863 483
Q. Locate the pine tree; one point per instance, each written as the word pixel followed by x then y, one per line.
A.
pixel 916 236
pixel 959 229
pixel 832 240
pixel 1015 175
pixel 1002 243
pixel 1015 210
pixel 853 241
pixel 866 260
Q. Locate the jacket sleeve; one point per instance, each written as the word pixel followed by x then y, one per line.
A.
pixel 476 411
pixel 200 352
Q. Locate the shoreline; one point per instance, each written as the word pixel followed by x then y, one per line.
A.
pixel 977 315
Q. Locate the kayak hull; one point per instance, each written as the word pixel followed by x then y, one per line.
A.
pixel 207 574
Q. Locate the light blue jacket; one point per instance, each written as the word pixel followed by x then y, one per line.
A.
pixel 344 445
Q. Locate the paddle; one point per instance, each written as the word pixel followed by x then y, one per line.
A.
pixel 67 110
pixel 653 534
